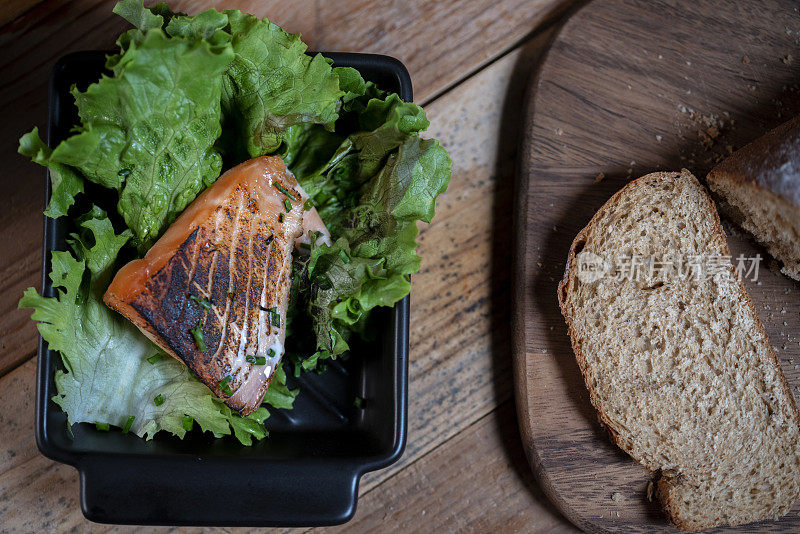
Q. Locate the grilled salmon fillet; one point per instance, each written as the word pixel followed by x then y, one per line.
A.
pixel 213 290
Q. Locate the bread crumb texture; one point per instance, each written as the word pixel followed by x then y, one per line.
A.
pixel 771 219
pixel 680 369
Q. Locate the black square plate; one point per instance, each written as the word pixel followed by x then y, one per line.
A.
pixel 305 473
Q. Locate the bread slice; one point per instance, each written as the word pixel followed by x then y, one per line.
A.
pixel 679 367
pixel 759 189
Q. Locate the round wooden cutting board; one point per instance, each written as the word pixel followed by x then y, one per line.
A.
pixel 627 88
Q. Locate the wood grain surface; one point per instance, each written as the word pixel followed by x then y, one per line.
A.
pixel 630 87
pixel 15 8
pixel 464 467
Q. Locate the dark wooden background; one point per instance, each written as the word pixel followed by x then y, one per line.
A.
pixel 631 87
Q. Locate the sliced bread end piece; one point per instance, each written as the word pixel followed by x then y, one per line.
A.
pixel 759 189
pixel 678 366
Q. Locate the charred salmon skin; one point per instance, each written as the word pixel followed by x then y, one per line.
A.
pixel 213 290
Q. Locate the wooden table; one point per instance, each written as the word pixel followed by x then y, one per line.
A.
pixel 464 468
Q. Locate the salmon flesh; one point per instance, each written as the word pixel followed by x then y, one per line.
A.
pixel 213 290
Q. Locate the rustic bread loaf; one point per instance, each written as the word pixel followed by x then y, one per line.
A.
pixel 759 188
pixel 678 366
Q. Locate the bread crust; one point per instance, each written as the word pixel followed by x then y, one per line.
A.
pixel 765 174
pixel 769 164
pixel 664 485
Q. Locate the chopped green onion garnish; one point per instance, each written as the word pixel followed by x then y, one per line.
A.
pixel 188 423
pixel 270 238
pixel 344 256
pixel 158 400
pixel 358 402
pixel 128 424
pixel 101 426
pixel 283 190
pixel 250 359
pixel 197 333
pixel 280 217
pixel 307 205
pixel 296 364
pixel 223 385
pixel 261 360
pixel 232 297
pixel 205 303
pixel 271 353
pixel 287 205
pixel 157 357
pixel 276 317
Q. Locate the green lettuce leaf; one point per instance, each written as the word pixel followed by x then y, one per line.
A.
pixel 144 19
pixel 278 395
pixel 245 428
pixel 149 131
pixel 369 264
pixel 107 376
pixel 351 82
pixel 209 25
pixel 371 189
pixel 333 167
pixel 272 85
pixel 65 181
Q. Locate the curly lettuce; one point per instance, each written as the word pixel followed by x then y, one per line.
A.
pixel 271 83
pixel 112 372
pixel 149 130
pixel 65 182
pixel 371 187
